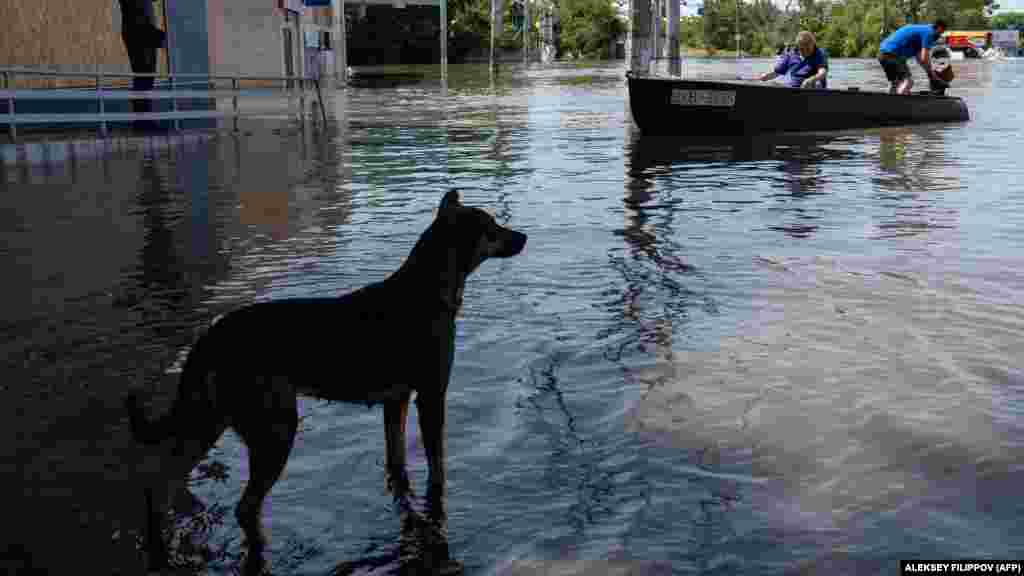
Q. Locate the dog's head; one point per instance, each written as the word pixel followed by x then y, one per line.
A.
pixel 474 234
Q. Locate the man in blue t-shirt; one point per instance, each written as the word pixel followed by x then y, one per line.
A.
pixel 910 41
pixel 804 67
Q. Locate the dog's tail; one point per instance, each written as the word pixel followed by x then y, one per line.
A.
pixel 153 432
pixel 150 432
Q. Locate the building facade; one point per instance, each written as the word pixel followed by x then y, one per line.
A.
pixel 256 37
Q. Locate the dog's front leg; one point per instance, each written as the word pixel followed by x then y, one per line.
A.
pixel 430 408
pixel 395 416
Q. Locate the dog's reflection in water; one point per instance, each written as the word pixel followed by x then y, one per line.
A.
pixel 421 546
pixel 422 549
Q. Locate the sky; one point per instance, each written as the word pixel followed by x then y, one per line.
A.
pixel 1010 6
pixel 690 9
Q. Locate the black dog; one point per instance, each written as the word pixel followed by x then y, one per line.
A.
pixel 375 345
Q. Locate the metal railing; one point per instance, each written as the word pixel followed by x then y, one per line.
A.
pixel 101 87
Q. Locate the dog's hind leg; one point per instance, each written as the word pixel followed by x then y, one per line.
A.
pixel 268 429
pixel 187 450
pixel 395 416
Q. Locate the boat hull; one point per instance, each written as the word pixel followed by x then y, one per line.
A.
pixel 679 107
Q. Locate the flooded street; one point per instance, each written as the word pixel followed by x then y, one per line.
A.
pixel 788 355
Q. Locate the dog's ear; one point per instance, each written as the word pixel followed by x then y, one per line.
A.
pixel 451 198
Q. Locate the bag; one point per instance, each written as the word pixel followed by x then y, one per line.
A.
pixel 941 65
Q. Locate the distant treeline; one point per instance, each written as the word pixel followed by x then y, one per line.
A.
pixel 844 28
pixel 590 28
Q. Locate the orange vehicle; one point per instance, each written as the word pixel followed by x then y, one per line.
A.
pixel 963 39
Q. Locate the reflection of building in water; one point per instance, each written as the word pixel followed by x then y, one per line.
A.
pixel 657 301
pixel 655 298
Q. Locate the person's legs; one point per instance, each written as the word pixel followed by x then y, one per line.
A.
pixel 890 73
pixel 898 74
pixel 907 81
pixel 142 58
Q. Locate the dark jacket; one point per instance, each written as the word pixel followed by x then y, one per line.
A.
pixel 138 22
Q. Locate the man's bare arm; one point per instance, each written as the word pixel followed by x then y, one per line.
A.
pixel 925 60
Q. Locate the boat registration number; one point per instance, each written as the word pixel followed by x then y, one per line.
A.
pixel 723 98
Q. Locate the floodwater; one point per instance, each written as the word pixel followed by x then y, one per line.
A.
pixel 792 355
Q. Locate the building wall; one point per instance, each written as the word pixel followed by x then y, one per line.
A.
pixel 206 36
pixel 66 35
pixel 188 37
pixel 245 37
pixel 72 36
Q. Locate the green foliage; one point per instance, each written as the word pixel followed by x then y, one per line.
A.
pixel 1008 21
pixel 844 28
pixel 691 31
pixel 469 26
pixel 588 27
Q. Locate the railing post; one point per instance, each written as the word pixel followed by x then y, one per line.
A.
pixel 99 100
pixel 302 101
pixel 234 100
pixel 10 109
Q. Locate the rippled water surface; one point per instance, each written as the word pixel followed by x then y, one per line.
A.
pixel 789 355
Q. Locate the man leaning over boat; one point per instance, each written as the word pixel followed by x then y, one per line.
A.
pixel 910 41
pixel 805 67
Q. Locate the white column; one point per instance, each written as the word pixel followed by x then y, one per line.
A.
pixel 494 23
pixel 340 42
pixel 640 36
pixel 444 39
pixel 656 31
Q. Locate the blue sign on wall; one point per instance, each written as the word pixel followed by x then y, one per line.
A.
pixel 317 2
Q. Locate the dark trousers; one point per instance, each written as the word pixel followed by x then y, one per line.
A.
pixel 142 56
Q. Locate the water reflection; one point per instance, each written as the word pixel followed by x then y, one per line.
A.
pixel 916 159
pixel 654 269
pixel 419 550
pixel 799 160
pixel 816 414
pixel 116 248
pixel 916 165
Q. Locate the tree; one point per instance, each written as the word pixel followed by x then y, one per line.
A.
pixel 589 27
pixel 719 24
pixel 691 31
pixel 469 26
pixel 1008 21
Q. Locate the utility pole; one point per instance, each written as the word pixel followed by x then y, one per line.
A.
pixel 444 40
pixel 885 19
pixel 494 4
pixel 526 29
pixel 737 30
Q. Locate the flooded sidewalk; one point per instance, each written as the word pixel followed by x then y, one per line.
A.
pixel 110 246
pixel 863 395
